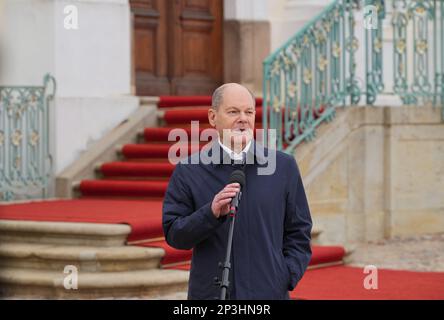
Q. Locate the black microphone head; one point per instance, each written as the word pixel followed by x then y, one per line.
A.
pixel 239 177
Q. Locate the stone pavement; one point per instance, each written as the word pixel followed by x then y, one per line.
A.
pixel 414 253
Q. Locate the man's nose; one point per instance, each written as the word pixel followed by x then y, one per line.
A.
pixel 243 116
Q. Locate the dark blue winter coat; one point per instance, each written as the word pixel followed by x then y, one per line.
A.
pixel 271 242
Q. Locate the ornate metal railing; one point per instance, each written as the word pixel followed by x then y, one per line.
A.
pixel 25 155
pixel 315 71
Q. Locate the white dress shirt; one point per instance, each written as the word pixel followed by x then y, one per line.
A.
pixel 234 155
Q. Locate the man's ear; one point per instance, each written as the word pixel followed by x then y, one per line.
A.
pixel 212 117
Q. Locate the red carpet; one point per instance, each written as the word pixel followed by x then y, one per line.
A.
pixel 326 254
pixel 144 151
pixel 144 217
pixel 346 283
pixel 136 169
pixel 161 133
pixel 123 188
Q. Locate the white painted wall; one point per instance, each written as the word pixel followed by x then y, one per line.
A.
pixel 92 65
pixel 27 42
pixel 251 10
pixel 94 117
pixel 94 60
pixel 286 17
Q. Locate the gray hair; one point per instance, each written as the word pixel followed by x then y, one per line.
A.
pixel 218 95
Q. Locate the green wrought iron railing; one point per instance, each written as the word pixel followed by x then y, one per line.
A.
pixel 25 152
pixel 401 48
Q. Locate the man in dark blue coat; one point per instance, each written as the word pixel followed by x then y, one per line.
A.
pixel 271 241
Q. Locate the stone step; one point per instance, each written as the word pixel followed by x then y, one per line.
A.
pixel 148 284
pixel 85 259
pixel 64 233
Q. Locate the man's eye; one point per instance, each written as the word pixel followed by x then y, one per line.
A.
pixel 232 112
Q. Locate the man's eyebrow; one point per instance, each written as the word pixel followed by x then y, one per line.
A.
pixel 248 109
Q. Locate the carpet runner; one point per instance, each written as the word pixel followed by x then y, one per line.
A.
pixel 347 283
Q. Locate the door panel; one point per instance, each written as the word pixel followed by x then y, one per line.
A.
pixel 150 47
pixel 178 46
pixel 198 46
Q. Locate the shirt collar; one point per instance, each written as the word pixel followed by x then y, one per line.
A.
pixel 233 155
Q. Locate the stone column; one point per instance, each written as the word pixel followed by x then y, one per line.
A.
pixel 246 42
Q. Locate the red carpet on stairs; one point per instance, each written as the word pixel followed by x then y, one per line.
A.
pixel 137 169
pixel 123 188
pixel 144 217
pixel 144 151
pixel 161 133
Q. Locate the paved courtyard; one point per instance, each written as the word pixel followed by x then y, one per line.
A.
pixel 415 253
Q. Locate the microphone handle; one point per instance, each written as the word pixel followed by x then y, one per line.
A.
pixel 235 201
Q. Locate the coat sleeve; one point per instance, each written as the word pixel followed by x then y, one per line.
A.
pixel 183 225
pixel 297 228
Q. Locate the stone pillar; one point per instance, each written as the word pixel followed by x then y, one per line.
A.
pixel 246 42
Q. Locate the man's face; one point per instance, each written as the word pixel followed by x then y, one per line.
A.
pixel 235 117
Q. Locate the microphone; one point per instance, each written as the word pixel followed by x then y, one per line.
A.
pixel 238 176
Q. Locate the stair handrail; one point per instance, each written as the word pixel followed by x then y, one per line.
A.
pixel 26 146
pixel 314 72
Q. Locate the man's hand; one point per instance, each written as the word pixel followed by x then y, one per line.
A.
pixel 221 202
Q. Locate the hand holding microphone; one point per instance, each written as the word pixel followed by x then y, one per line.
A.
pixel 229 196
pixel 226 202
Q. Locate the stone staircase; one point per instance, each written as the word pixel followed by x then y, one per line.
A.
pixel 37 259
pixel 34 255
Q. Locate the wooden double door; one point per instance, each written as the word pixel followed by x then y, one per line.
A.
pixel 177 46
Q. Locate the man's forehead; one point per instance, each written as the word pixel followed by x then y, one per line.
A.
pixel 236 89
pixel 237 98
